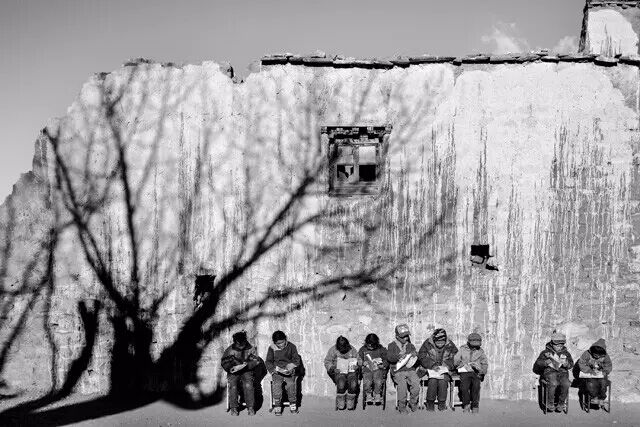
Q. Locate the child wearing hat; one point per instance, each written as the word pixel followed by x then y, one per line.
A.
pixel 553 365
pixel 282 362
pixel 402 358
pixel 595 361
pixel 240 360
pixel 374 366
pixel 473 361
pixel 341 364
pixel 437 352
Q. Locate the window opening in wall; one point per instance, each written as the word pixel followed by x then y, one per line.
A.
pixel 480 255
pixel 356 158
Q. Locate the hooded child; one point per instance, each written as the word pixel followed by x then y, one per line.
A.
pixel 553 364
pixel 239 361
pixel 437 353
pixel 596 362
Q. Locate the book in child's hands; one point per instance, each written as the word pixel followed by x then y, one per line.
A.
pixel 283 371
pixel 347 365
pixel 237 368
pixel 594 375
pixel 438 373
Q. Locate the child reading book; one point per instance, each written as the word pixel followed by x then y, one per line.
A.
pixel 404 374
pixel 436 354
pixel 472 365
pixel 341 364
pixel 282 362
pixel 239 361
pixel 374 365
pixel 553 365
pixel 594 367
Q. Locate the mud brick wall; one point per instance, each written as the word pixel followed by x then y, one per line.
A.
pixel 534 154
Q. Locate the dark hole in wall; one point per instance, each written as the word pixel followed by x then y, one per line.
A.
pixel 203 286
pixel 367 173
pixel 480 250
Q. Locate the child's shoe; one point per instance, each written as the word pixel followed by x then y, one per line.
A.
pixel 351 401
pixel 413 407
pixel 377 400
pixel 403 409
pixel 234 412
pixel 251 412
pixel 442 406
pixel 466 408
pixel 293 408
pixel 562 407
pixel 368 397
pixel 278 411
pixel 475 410
pixel 430 405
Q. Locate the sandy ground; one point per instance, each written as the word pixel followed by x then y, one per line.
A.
pixel 318 411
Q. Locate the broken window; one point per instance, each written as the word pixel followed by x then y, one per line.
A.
pixel 356 157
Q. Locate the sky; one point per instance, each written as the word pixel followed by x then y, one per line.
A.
pixel 49 48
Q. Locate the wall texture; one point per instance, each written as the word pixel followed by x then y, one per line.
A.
pixel 534 154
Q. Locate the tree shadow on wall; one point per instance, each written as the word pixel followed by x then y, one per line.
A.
pixel 115 186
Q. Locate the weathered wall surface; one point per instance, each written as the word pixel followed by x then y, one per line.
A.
pixel 538 160
pixel 611 28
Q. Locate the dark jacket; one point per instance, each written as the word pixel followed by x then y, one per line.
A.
pixel 397 351
pixel 379 352
pixel 233 356
pixel 587 363
pixel 431 356
pixel 280 358
pixel 540 367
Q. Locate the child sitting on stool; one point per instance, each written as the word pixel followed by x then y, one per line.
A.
pixel 341 364
pixel 283 362
pixel 553 365
pixel 437 353
pixel 595 361
pixel 402 357
pixel 374 366
pixel 240 360
pixel 471 359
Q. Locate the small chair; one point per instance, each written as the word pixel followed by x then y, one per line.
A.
pixel 384 398
pixel 455 382
pixel 543 389
pixel 585 399
pixel 285 402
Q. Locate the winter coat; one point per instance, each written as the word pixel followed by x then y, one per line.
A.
pixel 396 351
pixel 281 358
pixel 431 356
pixel 477 357
pixel 587 362
pixel 540 366
pixel 379 352
pixel 331 360
pixel 233 356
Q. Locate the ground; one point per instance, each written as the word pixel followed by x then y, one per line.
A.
pixel 318 411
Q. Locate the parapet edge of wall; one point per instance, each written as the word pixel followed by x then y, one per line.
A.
pixel 338 61
pixel 624 4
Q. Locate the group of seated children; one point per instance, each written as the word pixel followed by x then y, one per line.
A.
pixel 437 358
pixel 592 371
pixel 283 363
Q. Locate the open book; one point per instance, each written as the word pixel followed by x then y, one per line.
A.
pixel 463 369
pixel 373 363
pixel 237 368
pixel 594 375
pixel 347 365
pixel 284 371
pixel 408 360
pixel 438 373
